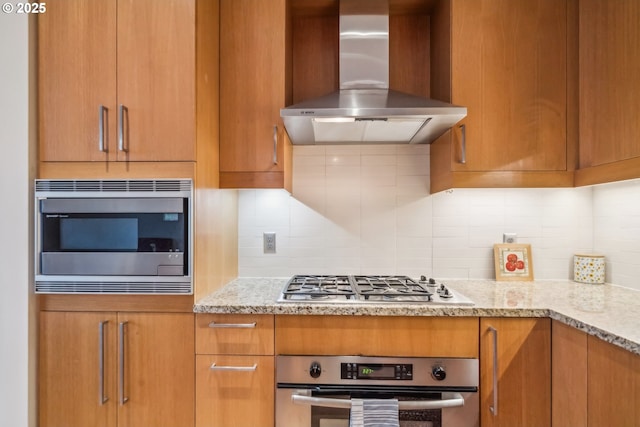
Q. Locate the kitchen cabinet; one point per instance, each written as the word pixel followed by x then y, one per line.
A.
pixel 377 335
pixel 515 372
pixel 254 85
pixel 613 386
pixel 235 367
pixel 568 376
pixel 511 64
pixel 609 42
pixel 595 383
pixel 117 80
pixel 116 369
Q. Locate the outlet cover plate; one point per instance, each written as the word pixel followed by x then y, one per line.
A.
pixel 269 243
pixel 509 238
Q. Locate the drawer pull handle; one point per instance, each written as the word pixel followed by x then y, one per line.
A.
pixel 121 362
pixel 102 398
pixel 123 114
pixel 102 113
pixel 463 145
pixel 494 407
pixel 275 144
pixel 215 367
pixel 232 325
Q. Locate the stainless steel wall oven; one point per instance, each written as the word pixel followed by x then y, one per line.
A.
pixel 113 236
pixel 431 392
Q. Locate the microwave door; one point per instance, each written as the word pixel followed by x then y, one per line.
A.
pixel 113 237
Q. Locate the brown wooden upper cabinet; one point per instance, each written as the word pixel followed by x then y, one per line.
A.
pixel 609 89
pixel 254 149
pixel 117 80
pixel 509 63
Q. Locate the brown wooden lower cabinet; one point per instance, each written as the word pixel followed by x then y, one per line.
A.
pixel 613 385
pixel 568 376
pixel 108 369
pixel 235 370
pixel 238 391
pixel 522 349
pixel 594 383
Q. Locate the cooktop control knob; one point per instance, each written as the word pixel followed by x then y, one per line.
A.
pixel 438 373
pixel 315 370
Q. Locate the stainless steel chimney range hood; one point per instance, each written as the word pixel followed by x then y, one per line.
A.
pixel 365 110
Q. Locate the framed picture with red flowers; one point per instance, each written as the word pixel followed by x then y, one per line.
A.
pixel 513 261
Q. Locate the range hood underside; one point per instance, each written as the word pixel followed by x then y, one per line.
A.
pixel 357 116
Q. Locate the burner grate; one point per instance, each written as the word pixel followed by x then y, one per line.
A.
pixel 390 286
pixel 316 287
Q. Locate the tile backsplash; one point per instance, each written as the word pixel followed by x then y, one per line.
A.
pixel 367 210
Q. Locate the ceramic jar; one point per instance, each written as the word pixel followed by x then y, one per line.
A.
pixel 588 268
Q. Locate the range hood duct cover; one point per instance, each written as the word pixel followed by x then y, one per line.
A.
pixel 365 110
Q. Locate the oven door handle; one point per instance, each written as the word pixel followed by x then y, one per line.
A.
pixel 453 400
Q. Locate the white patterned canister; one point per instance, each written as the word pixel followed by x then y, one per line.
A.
pixel 588 268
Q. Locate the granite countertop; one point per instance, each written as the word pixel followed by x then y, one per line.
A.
pixel 609 312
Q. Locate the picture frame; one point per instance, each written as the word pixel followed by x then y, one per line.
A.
pixel 513 262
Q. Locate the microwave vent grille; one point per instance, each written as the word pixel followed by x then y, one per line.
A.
pixel 138 288
pixel 125 186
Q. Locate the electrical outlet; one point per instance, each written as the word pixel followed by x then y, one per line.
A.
pixel 269 243
pixel 509 238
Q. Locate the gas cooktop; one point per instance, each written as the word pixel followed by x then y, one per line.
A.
pixel 369 289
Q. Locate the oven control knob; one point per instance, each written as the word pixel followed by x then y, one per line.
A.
pixel 315 370
pixel 439 373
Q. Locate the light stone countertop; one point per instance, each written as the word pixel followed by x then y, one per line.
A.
pixel 609 312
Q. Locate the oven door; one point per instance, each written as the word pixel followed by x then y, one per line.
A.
pixel 330 406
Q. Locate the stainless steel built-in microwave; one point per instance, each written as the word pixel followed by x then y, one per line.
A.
pixel 114 236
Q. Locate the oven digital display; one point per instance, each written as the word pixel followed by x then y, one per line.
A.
pixel 376 371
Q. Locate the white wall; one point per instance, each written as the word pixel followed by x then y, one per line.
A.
pixel 17 362
pixel 616 209
pixel 367 210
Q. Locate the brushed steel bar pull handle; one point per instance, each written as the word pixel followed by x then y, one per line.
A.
pixel 494 407
pixel 122 112
pixel 121 387
pixel 275 144
pixel 215 367
pixel 463 145
pixel 232 325
pixel 450 400
pixel 102 398
pixel 102 112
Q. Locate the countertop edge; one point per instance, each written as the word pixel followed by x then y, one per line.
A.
pixel 259 295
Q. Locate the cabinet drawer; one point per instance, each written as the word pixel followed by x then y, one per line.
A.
pixel 378 336
pixel 234 334
pixel 239 393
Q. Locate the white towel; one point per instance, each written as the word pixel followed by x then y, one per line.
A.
pixel 374 413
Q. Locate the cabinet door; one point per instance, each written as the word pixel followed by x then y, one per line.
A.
pixel 77 75
pixel 569 376
pixel 156 79
pixel 609 84
pixel 522 374
pixel 252 91
pixel 239 393
pixel 613 385
pixel 509 68
pixel 77 369
pixel 608 87
pixel 156 370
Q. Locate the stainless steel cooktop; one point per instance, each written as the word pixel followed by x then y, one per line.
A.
pixel 369 289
